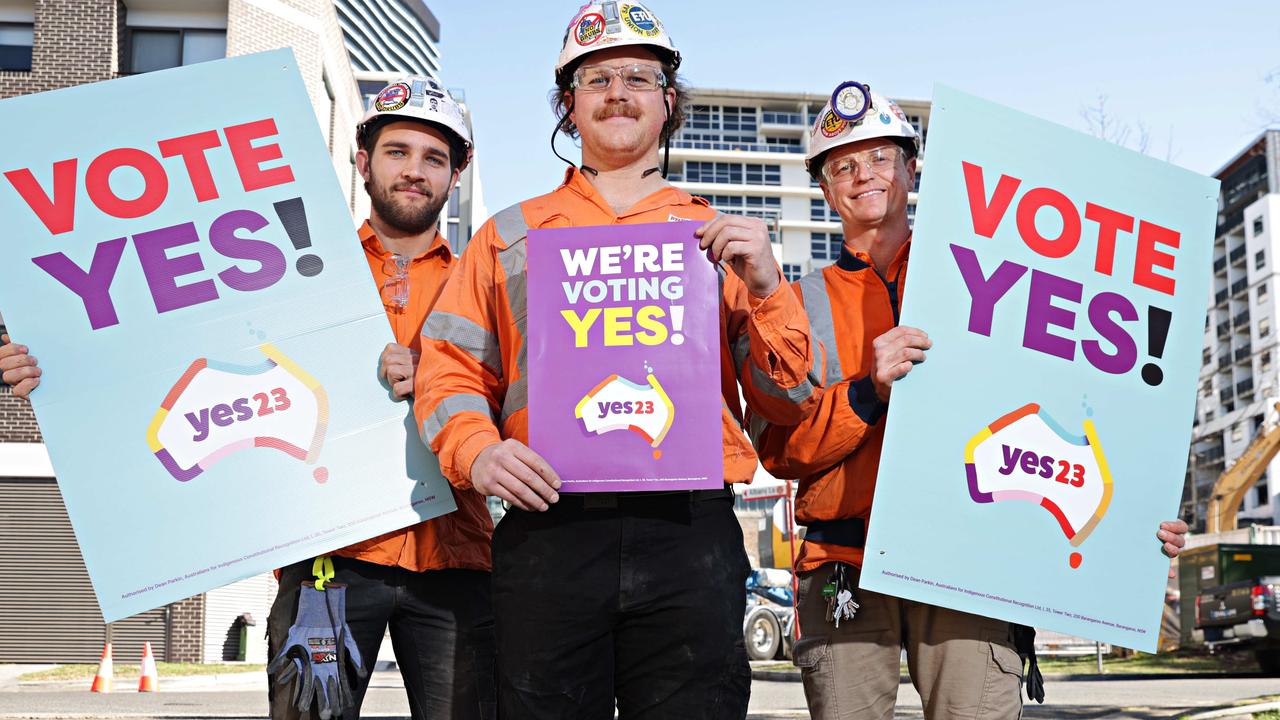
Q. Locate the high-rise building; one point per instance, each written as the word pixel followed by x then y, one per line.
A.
pixel 387 40
pixel 744 152
pixel 1239 374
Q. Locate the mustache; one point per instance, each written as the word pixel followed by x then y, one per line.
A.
pixel 415 186
pixel 616 110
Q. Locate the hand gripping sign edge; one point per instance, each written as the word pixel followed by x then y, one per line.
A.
pixel 275 360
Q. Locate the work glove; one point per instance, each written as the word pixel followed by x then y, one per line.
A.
pixel 316 652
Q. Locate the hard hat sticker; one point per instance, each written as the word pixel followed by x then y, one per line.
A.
pixel 640 21
pixel 217 409
pixel 1026 455
pixel 832 124
pixel 589 29
pixel 392 97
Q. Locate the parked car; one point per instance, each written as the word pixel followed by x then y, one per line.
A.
pixel 768 626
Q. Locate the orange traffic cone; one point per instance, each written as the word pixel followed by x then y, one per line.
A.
pixel 102 681
pixel 149 682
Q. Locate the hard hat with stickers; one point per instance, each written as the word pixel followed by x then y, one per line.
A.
pixel 418 97
pixel 609 24
pixel 855 113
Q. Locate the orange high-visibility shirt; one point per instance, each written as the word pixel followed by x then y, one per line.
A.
pixel 472 385
pixel 461 538
pixel 835 452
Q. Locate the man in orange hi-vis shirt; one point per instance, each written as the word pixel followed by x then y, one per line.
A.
pixel 963 665
pixel 604 600
pixel 429 582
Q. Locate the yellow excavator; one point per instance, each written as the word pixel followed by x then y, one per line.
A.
pixel 1230 488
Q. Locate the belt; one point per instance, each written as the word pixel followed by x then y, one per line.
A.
pixel 849 532
pixel 615 500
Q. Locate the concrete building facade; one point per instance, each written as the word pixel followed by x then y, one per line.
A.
pixel 1239 375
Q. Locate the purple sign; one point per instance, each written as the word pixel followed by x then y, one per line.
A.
pixel 624 358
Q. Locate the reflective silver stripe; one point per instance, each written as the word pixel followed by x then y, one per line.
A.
pixel 517 398
pixel 450 406
pixel 741 348
pixel 817 305
pixel 513 230
pixel 467 335
pixel 757 426
pixel 765 384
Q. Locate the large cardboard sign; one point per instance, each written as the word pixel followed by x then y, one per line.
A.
pixel 179 257
pixel 1063 281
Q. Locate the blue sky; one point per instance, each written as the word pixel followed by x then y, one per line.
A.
pixel 1194 73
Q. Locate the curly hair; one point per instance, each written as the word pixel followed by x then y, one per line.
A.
pixel 559 98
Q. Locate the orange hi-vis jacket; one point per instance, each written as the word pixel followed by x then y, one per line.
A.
pixel 460 539
pixel 835 452
pixel 472 383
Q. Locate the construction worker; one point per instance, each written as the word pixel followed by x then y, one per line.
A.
pixel 429 582
pixel 604 600
pixel 964 666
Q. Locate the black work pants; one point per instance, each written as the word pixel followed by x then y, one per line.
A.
pixel 441 628
pixel 639 604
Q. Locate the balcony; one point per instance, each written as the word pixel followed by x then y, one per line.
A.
pixel 1241 321
pixel 1224 360
pixel 1220 297
pixel 1224 330
pixel 1220 265
pixel 1243 352
pixel 1245 387
pixel 1226 395
pixel 1239 286
pixel 736 146
pixel 1237 255
pixel 776 117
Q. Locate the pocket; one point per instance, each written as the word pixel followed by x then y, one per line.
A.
pixel 811 652
pixel 1002 692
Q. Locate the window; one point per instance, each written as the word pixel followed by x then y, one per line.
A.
pixel 1264 363
pixel 1206 356
pixel 791 271
pixel 1260 494
pixel 1262 292
pixel 767 208
pixel 819 212
pixel 733 173
pixel 1206 387
pixel 16 40
pixel 455 205
pixel 1257 226
pixel 1264 327
pixel 161 48
pixel 1237 433
pixel 1260 260
pixel 825 246
pixel 1208 415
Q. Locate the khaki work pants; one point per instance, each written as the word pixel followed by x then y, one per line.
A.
pixel 964 666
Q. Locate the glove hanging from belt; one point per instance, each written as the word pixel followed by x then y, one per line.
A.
pixel 316 652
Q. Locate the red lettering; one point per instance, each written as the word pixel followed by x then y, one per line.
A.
pixel 191 148
pixel 59 213
pixel 1149 258
pixel 249 159
pixel 987 216
pixel 1109 223
pixel 155 183
pixel 1067 240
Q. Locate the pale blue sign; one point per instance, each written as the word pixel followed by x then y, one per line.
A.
pixel 1063 281
pixel 180 258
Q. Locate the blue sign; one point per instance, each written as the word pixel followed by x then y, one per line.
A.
pixel 209 329
pixel 1063 282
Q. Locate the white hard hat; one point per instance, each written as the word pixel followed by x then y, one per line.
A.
pixel 855 113
pixel 609 24
pixel 418 97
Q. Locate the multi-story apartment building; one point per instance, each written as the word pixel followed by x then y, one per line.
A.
pixel 1239 376
pixel 744 152
pixel 388 39
pixel 46 601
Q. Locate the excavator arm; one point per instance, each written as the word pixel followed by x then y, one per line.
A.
pixel 1230 488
